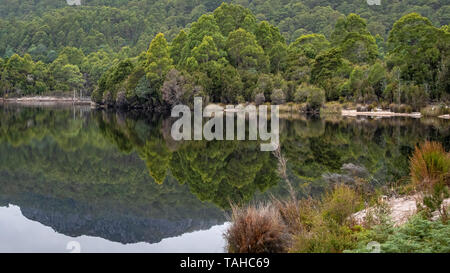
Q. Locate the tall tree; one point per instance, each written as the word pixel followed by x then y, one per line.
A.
pixel 357 44
pixel 158 62
pixel 421 51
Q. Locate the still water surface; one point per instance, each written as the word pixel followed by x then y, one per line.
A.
pixel 117 182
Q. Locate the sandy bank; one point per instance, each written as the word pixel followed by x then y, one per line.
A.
pixel 401 209
pixel 354 113
pixel 38 100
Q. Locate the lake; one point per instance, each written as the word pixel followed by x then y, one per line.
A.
pixel 74 178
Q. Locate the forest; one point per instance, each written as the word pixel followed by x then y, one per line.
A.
pixel 154 54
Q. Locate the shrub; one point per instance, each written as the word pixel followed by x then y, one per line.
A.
pixel 259 99
pixel 298 215
pixel 108 98
pixel 331 108
pixel 278 96
pixel 416 96
pixel 373 105
pixel 403 108
pixel 408 109
pixel 315 100
pixel 325 239
pixel 384 105
pixel 339 204
pixel 240 99
pixel 302 92
pixel 326 225
pixel 429 164
pixel 97 96
pixel 435 110
pixel 395 108
pixel 430 173
pixel 417 235
pixel 121 100
pixel 257 230
pixel 360 108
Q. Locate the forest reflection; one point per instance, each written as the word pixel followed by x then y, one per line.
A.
pixel 121 176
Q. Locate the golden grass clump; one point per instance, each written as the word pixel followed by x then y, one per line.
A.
pixel 294 225
pixel 429 164
pixel 257 229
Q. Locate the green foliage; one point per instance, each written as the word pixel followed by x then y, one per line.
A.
pixel 244 51
pixel 229 50
pixel 420 50
pixel 324 226
pixel 340 204
pixel 357 44
pixel 418 235
pixel 311 44
pixel 315 99
pixel 326 65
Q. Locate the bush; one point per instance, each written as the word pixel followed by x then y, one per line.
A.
pixel 347 105
pixel 430 174
pixel 278 96
pixel 394 108
pixel 315 100
pixel 360 108
pixel 97 96
pixel 429 164
pixel 408 109
pixel 108 98
pixel 339 204
pixel 325 225
pixel 257 230
pixel 331 108
pixel 416 96
pixel 384 105
pixel 435 110
pixel 121 100
pixel 296 225
pixel 259 99
pixel 302 92
pixel 418 235
pixel 403 108
pixel 240 99
pixel 325 239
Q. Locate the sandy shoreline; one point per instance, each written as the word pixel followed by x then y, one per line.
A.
pixel 354 113
pixel 46 100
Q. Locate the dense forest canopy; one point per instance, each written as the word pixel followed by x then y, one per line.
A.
pixel 277 51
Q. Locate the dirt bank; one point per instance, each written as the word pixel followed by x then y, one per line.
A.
pixel 401 209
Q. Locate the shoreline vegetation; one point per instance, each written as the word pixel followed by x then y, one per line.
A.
pixel 407 216
pixel 328 108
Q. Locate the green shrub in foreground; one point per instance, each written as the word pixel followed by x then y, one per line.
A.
pixel 418 235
